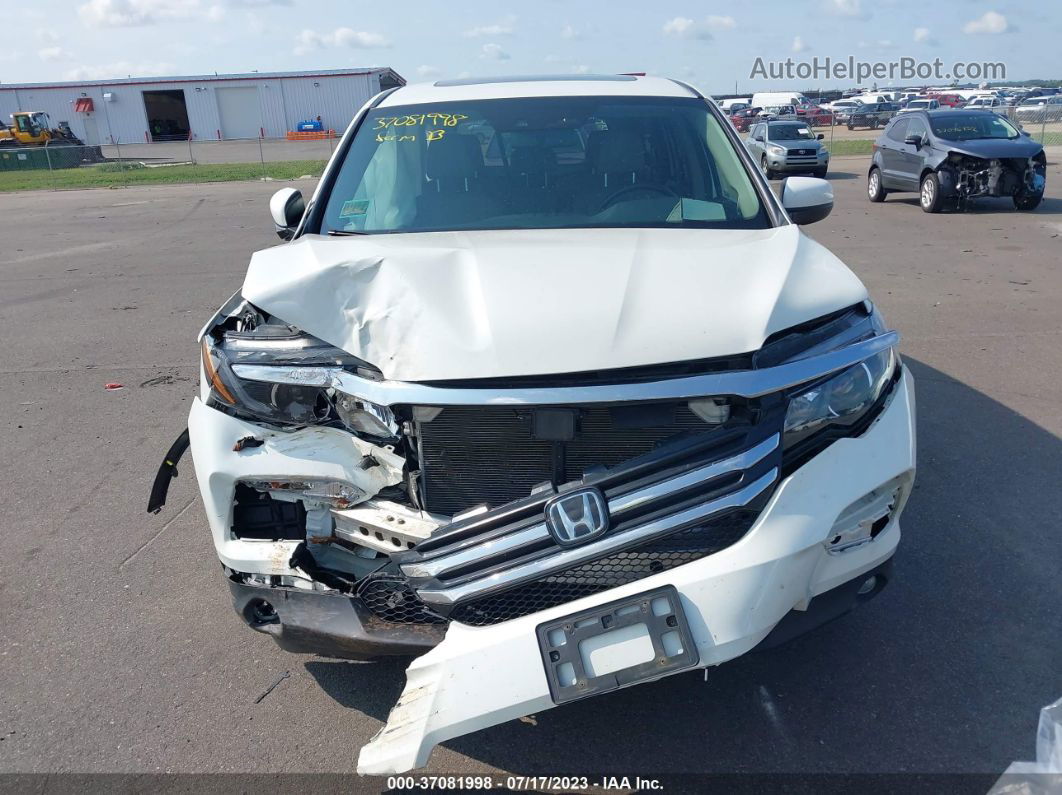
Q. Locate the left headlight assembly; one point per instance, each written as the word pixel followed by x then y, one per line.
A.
pixel 842 400
pixel 287 404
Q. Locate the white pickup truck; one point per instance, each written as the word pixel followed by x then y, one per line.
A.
pixel 548 390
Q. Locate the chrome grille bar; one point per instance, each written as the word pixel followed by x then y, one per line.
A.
pixel 574 556
pixel 536 534
pixel 744 383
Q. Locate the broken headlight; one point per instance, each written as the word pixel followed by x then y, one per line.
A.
pixel 842 400
pixel 281 403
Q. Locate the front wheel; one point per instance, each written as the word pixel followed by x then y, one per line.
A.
pixel 766 168
pixel 820 173
pixel 851 126
pixel 929 194
pixel 875 190
pixel 1028 201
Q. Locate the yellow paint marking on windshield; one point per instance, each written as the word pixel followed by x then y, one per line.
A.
pixel 435 119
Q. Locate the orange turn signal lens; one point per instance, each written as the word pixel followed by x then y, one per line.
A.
pixel 212 376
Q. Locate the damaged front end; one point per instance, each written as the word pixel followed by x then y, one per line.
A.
pixel 963 176
pixel 656 518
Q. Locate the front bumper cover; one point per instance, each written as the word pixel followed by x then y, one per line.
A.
pixel 481 676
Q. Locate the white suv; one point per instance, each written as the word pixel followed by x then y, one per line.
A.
pixel 548 390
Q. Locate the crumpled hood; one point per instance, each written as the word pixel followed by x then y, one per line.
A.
pixel 998 149
pixel 460 305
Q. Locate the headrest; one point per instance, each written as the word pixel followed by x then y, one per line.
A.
pixel 454 155
pixel 531 159
pixel 610 151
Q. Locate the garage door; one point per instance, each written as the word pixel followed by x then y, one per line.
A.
pixel 241 116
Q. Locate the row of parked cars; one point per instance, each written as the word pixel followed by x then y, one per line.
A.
pixel 948 156
pixel 871 111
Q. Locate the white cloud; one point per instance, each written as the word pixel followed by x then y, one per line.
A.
pixel 686 28
pixel 119 69
pixel 53 54
pixel 46 36
pixel 131 13
pixel 720 23
pixel 307 41
pixel 989 22
pixel 426 70
pixel 494 52
pixel 921 34
pixel 569 32
pixel 846 8
pixel 798 44
pixel 503 28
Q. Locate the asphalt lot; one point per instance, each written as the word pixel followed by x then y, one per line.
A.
pixel 119 651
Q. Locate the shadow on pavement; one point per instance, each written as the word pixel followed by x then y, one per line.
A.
pixel 945 671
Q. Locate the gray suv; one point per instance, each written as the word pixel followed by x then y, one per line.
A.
pixel 787 147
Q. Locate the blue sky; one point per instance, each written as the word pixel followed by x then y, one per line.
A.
pixel 711 44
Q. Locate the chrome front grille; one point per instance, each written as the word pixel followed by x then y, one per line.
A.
pixel 690 483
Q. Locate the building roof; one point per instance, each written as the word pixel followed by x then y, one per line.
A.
pixel 537 86
pixel 211 78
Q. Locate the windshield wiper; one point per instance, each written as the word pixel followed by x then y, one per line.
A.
pixel 345 232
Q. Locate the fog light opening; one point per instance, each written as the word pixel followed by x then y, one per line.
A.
pixel 260 613
pixel 870 584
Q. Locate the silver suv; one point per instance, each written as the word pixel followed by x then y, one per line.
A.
pixel 787 147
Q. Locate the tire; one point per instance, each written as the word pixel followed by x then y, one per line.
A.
pixel 873 124
pixel 1026 202
pixel 929 193
pixel 819 172
pixel 765 168
pixel 851 126
pixel 875 190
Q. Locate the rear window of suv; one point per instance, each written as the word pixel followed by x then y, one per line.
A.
pixel 549 162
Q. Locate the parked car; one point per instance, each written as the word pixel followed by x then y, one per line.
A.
pixel 870 116
pixel 920 104
pixel 814 115
pixel 772 112
pixel 1039 110
pixel 787 147
pixel 948 100
pixel 984 103
pixel 957 155
pixel 742 119
pixel 567 425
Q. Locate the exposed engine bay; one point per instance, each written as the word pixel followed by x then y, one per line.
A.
pixel 966 177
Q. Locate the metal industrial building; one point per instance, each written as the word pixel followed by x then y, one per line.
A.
pixel 204 107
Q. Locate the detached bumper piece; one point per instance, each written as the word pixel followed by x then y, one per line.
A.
pixel 332 625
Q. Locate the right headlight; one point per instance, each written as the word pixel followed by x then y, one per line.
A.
pixel 263 398
pixel 842 400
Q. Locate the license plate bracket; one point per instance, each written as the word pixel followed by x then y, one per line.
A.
pixel 615 645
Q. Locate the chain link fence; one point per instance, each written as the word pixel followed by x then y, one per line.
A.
pixel 852 130
pixel 58 165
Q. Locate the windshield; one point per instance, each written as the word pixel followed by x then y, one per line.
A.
pixel 789 132
pixel 918 103
pixel 956 126
pixel 550 162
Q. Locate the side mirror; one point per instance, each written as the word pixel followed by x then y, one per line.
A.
pixel 807 199
pixel 820 137
pixel 758 138
pixel 913 140
pixel 287 206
